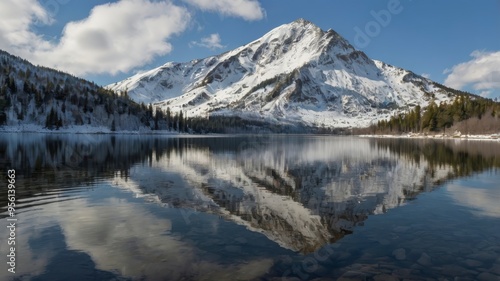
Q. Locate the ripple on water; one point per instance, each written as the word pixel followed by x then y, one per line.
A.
pixel 37 200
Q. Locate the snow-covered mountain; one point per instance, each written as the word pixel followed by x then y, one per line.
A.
pixel 295 74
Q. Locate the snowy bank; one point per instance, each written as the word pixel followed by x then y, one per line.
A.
pixel 455 136
pixel 80 129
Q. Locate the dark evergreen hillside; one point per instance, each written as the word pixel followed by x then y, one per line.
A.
pixel 467 113
pixel 38 95
pixel 236 124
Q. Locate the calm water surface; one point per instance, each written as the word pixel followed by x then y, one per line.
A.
pixel 93 207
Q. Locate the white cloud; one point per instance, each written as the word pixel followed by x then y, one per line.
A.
pixel 481 201
pixel 16 18
pixel 246 9
pixel 157 252
pixel 482 72
pixel 116 37
pixel 211 42
pixel 426 75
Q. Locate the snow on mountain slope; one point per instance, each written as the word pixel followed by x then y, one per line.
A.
pixel 295 74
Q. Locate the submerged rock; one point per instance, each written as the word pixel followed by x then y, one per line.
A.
pixel 486 276
pixel 352 276
pixel 385 277
pixel 472 263
pixel 399 254
pixel 483 256
pixel 425 260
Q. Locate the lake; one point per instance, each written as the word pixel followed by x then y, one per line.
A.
pixel 257 207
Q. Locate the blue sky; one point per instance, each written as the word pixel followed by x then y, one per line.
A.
pixel 456 43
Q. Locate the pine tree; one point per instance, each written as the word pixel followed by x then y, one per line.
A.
pixel 176 122
pixel 3 118
pixel 50 119
pixel 181 122
pixel 3 91
pixel 26 87
pixel 59 123
pixel 429 120
pixel 157 116
pixel 149 111
pixel 12 85
pixel 168 118
pixel 418 116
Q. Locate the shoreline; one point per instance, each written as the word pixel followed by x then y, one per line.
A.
pixel 89 130
pixel 485 137
pixel 82 130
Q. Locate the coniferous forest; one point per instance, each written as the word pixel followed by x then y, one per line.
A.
pixel 467 114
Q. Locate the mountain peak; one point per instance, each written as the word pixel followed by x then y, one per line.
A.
pixel 295 31
pixel 302 21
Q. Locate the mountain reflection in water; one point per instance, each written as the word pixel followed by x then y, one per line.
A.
pixel 302 192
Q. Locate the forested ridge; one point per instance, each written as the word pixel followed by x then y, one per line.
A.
pixel 439 118
pixel 53 99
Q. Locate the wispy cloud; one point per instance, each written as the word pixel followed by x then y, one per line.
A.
pixel 481 201
pixel 482 72
pixel 212 42
pixel 246 9
pixel 16 19
pixel 426 75
pixel 115 37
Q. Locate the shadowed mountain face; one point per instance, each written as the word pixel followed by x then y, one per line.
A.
pixel 301 192
pixel 297 74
